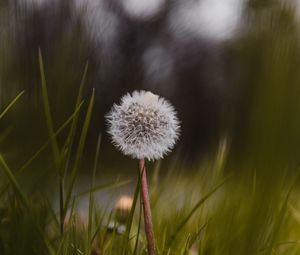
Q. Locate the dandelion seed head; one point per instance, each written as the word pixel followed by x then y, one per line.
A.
pixel 123 207
pixel 143 125
pixel 124 203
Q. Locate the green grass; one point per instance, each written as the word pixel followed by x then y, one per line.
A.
pixel 198 214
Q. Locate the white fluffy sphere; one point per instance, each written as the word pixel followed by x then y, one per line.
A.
pixel 144 125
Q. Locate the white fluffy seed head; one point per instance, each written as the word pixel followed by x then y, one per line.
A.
pixel 144 125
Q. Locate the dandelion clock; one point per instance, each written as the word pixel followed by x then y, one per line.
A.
pixel 144 126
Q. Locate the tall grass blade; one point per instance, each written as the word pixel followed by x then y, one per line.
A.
pixel 13 181
pixel 70 138
pixel 79 152
pixel 131 214
pixel 91 197
pixel 54 144
pixel 138 231
pixel 11 104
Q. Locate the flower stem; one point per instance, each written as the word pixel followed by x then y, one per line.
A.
pixel 147 209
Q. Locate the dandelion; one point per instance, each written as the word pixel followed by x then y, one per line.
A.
pixel 123 207
pixel 144 126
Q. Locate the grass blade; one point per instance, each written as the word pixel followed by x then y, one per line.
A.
pixel 11 104
pixel 103 187
pixel 195 208
pixel 54 144
pixel 79 152
pixel 131 214
pixel 13 181
pixel 70 139
pixel 138 231
pixel 91 197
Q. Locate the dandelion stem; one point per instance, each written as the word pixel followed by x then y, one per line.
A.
pixel 147 209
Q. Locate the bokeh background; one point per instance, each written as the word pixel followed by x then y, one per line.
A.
pixel 230 67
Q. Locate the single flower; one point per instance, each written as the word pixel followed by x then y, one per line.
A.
pixel 123 207
pixel 144 125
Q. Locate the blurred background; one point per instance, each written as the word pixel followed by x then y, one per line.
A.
pixel 229 67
